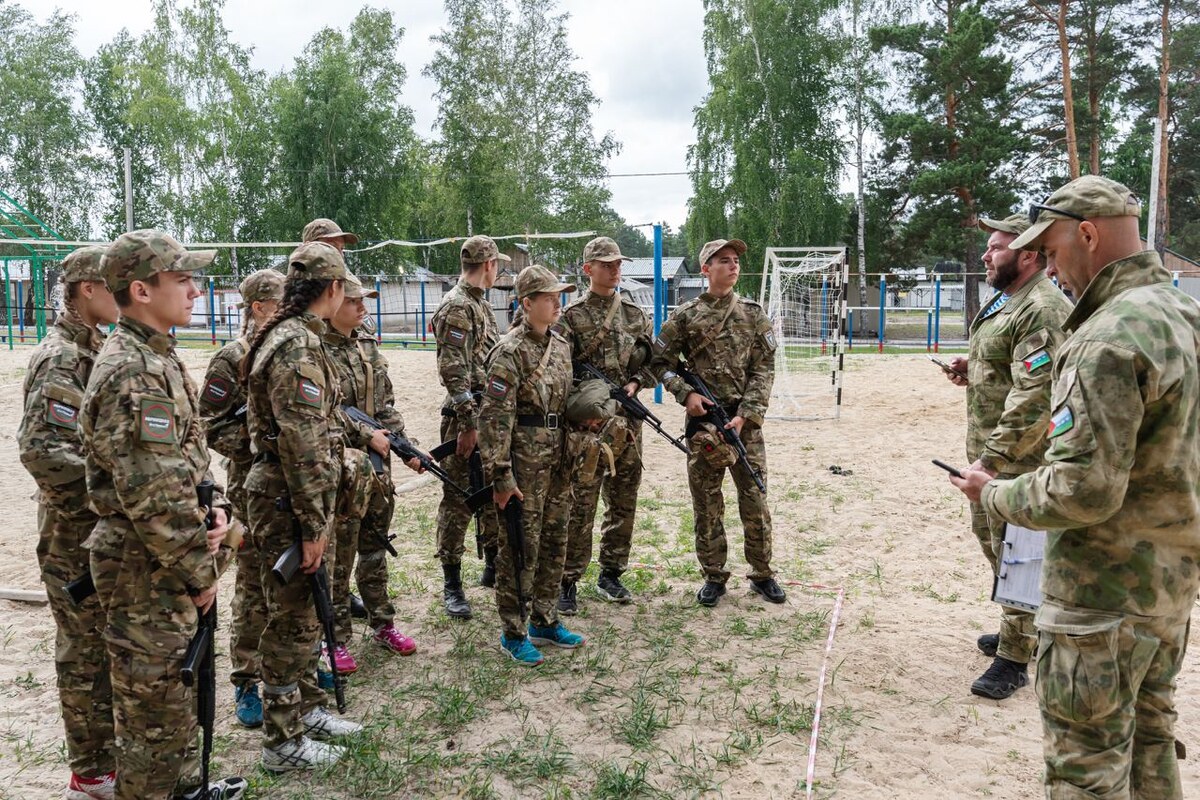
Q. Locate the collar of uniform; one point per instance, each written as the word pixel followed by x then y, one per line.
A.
pixel 314 323
pixel 713 300
pixel 335 337
pixel 73 329
pixel 598 300
pixel 540 338
pixel 1140 269
pixel 472 291
pixel 162 343
pixel 1020 294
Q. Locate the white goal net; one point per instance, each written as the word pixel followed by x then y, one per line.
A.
pixel 804 293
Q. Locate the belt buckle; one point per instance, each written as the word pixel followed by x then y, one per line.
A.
pixel 552 421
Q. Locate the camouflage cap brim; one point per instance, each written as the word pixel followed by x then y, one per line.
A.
pixel 1029 239
pixel 345 236
pixel 992 225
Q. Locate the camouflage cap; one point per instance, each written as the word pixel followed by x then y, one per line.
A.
pixel 590 400
pixel 84 264
pixel 355 290
pixel 710 248
pixel 137 255
pixel 1015 224
pixel 257 287
pixel 317 260
pixel 536 279
pixel 1088 197
pixel 320 229
pixel 603 248
pixel 479 249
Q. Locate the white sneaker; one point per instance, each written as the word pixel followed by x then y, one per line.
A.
pixel 319 724
pixel 302 753
pixel 224 789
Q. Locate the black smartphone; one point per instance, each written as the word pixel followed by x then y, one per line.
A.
pixel 948 468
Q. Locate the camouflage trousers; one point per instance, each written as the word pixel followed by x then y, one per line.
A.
pixel 708 509
pixel 158 753
pixel 80 656
pixel 1106 687
pixel 547 491
pixel 288 648
pixel 365 538
pixel 249 607
pixel 453 515
pixel 1018 638
pixel 620 507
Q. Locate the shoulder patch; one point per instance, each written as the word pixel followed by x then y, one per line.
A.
pixel 1036 361
pixel 1061 422
pixel 156 420
pixel 455 336
pixel 769 338
pixel 217 391
pixel 660 344
pixel 497 387
pixel 61 414
pixel 309 392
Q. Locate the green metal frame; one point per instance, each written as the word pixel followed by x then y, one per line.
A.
pixel 18 222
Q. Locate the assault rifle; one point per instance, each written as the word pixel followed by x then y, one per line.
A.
pixel 720 418
pixel 200 659
pixel 634 407
pixel 480 491
pixel 514 524
pixel 284 570
pixel 407 451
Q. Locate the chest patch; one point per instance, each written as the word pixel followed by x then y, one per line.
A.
pixel 1061 422
pixel 156 421
pixel 498 388
pixel 60 414
pixel 217 391
pixel 309 393
pixel 1036 361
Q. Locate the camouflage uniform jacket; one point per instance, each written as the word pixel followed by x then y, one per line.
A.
pixel 48 438
pixel 464 326
pixel 356 359
pixel 1120 493
pixel 609 348
pixel 737 362
pixel 220 398
pixel 144 441
pixel 295 429
pixel 1013 350
pixel 527 373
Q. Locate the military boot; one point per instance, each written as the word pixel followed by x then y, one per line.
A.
pixel 1001 680
pixel 487 578
pixel 452 592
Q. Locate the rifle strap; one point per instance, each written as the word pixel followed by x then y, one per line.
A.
pixel 598 340
pixel 535 377
pixel 712 333
pixel 369 372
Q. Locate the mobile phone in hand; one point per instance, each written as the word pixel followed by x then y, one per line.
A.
pixel 948 468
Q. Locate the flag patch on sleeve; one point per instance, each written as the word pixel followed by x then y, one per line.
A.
pixel 1061 422
pixel 498 388
pixel 1036 361
pixel 456 335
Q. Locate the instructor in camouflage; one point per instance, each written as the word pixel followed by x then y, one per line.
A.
pixel 227 433
pixel 52 452
pixel 728 342
pixel 1120 498
pixel 154 562
pixel 612 333
pixel 521 438
pixel 464 327
pixel 1015 340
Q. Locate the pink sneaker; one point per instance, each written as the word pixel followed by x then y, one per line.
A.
pixel 394 640
pixel 341 656
pixel 101 788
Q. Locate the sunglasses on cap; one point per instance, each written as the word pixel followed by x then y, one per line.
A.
pixel 1036 208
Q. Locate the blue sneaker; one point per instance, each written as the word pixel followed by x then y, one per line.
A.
pixel 521 651
pixel 248 706
pixel 556 635
pixel 325 680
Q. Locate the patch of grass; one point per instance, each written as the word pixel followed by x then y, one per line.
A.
pixel 616 783
pixel 781 716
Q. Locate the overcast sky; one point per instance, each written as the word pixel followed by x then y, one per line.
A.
pixel 644 57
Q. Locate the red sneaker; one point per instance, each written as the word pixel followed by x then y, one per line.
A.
pixel 341 656
pixel 101 788
pixel 394 640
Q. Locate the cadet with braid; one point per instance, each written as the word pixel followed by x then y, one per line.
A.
pixel 153 559
pixel 53 453
pixel 296 434
pixel 220 400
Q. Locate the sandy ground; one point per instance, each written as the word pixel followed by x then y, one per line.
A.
pixel 728 693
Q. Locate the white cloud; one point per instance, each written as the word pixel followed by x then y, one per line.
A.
pixel 645 60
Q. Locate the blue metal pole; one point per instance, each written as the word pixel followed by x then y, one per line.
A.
pixel 850 332
pixel 423 337
pixel 1175 279
pixel 7 307
pixel 660 299
pixel 824 312
pixel 212 309
pixel 378 310
pixel 937 312
pixel 928 329
pixel 882 301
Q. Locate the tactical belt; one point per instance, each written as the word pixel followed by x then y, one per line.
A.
pixel 551 421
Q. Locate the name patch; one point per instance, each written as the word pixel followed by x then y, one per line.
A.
pixel 156 421
pixel 62 415
pixel 1036 361
pixel 1061 422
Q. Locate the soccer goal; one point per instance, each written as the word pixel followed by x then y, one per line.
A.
pixel 804 293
